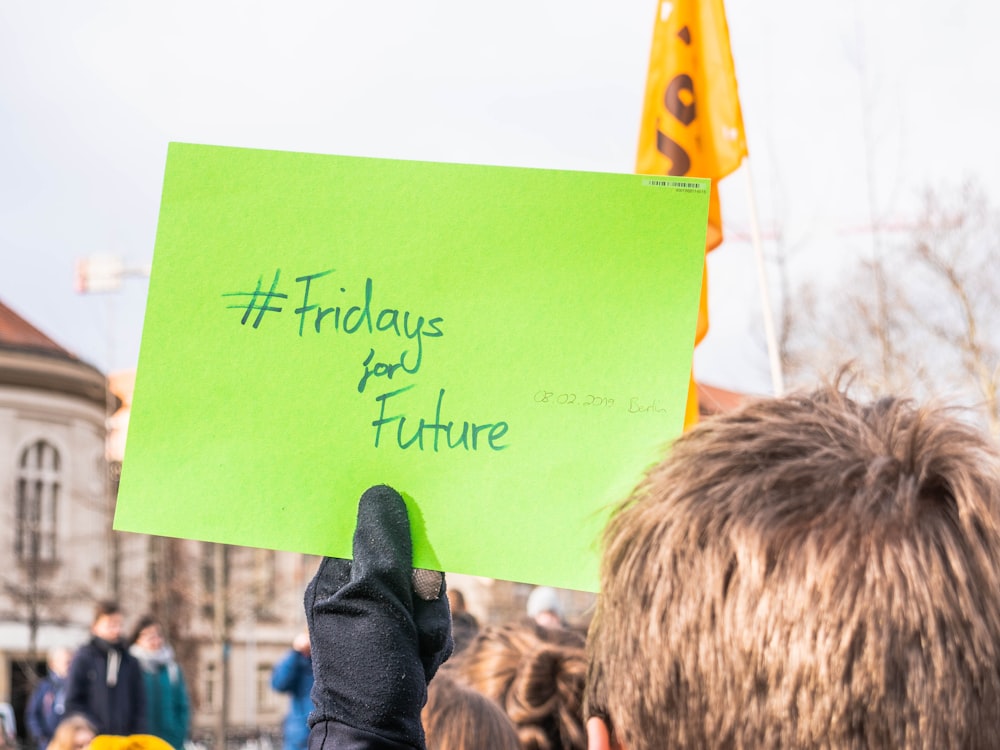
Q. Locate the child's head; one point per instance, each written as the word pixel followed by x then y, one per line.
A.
pixel 806 571
pixel 537 677
pixel 59 660
pixel 73 733
pixel 457 717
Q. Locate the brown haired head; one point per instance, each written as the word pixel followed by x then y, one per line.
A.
pixel 75 732
pixel 105 608
pixel 457 717
pixel 536 676
pixel 144 622
pixel 806 571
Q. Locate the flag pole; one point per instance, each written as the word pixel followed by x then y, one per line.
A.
pixel 777 376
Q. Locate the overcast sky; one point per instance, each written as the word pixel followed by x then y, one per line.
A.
pixel 833 94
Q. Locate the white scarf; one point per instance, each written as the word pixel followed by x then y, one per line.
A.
pixel 151 661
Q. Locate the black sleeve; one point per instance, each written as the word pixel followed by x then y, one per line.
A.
pixel 138 723
pixel 332 735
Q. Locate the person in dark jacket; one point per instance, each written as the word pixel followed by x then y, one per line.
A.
pixel 105 681
pixel 168 711
pixel 47 704
pixel 294 675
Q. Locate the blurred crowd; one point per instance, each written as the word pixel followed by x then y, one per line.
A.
pixel 111 685
pixel 524 679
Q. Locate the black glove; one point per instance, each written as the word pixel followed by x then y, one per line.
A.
pixel 375 642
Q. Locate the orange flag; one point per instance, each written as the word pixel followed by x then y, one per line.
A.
pixel 691 118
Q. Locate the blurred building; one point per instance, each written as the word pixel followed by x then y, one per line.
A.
pixel 227 639
pixel 53 498
pixel 59 467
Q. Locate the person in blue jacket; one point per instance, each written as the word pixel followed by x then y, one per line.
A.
pixel 168 711
pixel 47 705
pixel 294 675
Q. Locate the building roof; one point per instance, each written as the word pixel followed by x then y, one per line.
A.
pixel 121 384
pixel 713 400
pixel 30 359
pixel 17 333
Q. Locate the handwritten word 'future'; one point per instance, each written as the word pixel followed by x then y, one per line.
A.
pixel 467 436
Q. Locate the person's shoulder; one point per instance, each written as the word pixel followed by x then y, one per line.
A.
pixel 95 648
pixel 299 662
pixel 296 657
pixel 43 688
pixel 86 653
pixel 131 664
pixel 128 656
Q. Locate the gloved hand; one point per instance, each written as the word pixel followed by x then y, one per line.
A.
pixel 375 642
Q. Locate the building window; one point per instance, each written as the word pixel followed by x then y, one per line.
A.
pixel 265 567
pixel 38 487
pixel 267 698
pixel 206 569
pixel 211 688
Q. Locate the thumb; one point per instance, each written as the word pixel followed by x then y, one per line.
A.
pixel 382 545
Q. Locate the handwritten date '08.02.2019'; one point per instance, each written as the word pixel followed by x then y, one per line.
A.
pixel 634 405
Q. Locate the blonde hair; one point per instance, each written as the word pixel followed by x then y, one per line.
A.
pixel 457 717
pixel 64 737
pixel 537 677
pixel 806 572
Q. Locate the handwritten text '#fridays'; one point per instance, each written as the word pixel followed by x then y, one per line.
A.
pixel 434 434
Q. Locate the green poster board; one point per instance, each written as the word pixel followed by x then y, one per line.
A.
pixel 509 348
